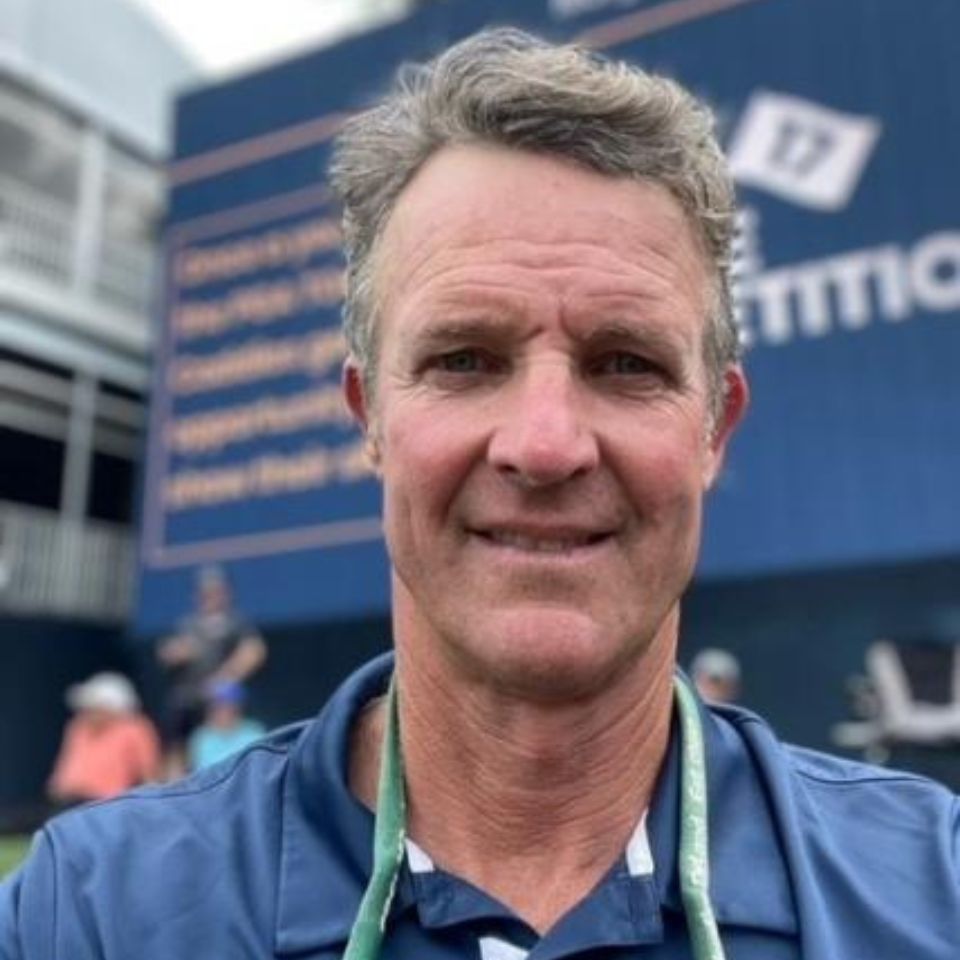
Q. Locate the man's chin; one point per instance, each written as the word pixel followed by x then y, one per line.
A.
pixel 542 653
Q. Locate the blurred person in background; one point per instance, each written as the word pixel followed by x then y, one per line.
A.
pixel 214 645
pixel 716 675
pixel 108 745
pixel 544 362
pixel 225 730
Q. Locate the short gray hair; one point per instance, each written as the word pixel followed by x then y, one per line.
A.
pixel 506 87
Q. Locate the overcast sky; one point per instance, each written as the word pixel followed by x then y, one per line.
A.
pixel 226 36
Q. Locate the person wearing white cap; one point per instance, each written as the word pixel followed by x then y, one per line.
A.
pixel 108 746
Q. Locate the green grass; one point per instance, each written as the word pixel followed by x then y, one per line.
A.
pixel 12 851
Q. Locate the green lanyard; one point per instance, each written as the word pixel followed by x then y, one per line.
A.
pixel 694 846
pixel 390 832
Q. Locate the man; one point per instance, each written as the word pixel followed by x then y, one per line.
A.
pixel 213 646
pixel 544 362
pixel 716 675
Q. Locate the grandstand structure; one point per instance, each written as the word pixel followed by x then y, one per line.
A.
pixel 84 131
pixel 87 89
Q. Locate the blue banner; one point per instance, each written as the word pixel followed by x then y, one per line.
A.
pixel 843 130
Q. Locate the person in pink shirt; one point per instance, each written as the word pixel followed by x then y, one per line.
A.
pixel 108 746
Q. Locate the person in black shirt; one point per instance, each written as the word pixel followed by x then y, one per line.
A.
pixel 213 645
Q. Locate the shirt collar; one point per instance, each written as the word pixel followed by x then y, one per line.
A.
pixel 623 910
pixel 749 879
pixel 326 834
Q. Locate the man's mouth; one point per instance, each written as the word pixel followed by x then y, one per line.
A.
pixel 553 542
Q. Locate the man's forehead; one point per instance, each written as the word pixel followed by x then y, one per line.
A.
pixel 497 188
pixel 490 200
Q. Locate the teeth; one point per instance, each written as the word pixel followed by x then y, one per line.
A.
pixel 521 542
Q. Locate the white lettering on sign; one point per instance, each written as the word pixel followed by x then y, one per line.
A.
pixel 801 151
pixel 851 291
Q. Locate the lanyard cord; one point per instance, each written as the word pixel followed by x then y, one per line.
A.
pixel 389 834
pixel 694 847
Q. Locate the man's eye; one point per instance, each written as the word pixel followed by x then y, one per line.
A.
pixel 623 363
pixel 463 361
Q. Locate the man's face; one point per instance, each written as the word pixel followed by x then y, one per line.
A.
pixel 214 598
pixel 540 419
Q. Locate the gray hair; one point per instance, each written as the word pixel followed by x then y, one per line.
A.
pixel 506 87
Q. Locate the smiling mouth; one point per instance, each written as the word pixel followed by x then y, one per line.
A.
pixel 561 543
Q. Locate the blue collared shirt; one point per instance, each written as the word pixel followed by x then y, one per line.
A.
pixel 268 854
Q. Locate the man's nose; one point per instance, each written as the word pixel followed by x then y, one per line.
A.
pixel 543 436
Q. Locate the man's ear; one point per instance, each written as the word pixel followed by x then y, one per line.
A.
pixel 736 397
pixel 358 402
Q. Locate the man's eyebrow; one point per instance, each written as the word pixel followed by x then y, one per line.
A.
pixel 459 329
pixel 653 336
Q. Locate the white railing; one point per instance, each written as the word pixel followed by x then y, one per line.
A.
pixel 125 276
pixel 50 565
pixel 36 232
pixel 37 235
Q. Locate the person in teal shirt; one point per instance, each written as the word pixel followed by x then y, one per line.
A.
pixel 225 731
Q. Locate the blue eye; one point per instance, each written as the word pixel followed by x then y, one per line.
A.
pixel 623 363
pixel 464 368
pixel 461 361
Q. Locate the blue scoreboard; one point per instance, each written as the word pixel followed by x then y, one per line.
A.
pixel 842 124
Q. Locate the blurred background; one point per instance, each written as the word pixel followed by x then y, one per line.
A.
pixel 184 507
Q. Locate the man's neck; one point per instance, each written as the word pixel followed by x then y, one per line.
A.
pixel 530 801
